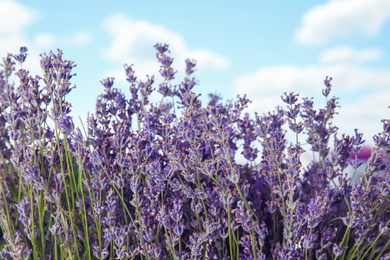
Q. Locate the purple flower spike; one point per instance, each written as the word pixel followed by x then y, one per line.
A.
pixel 190 65
pixel 328 86
pixel 161 48
pixel 21 57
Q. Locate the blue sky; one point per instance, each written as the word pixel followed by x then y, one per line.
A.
pixel 261 48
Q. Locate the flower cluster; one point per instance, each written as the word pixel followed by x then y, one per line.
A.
pixel 161 180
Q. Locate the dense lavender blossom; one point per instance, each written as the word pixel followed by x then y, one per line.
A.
pixel 162 181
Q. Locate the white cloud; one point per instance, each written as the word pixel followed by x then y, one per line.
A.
pixel 278 79
pixel 338 19
pixel 365 113
pixel 349 54
pixel 363 92
pixel 78 39
pixel 133 41
pixel 15 17
pixel 44 40
pixel 15 20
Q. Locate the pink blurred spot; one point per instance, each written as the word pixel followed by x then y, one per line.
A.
pixel 364 154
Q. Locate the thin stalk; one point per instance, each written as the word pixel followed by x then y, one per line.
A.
pixel 84 213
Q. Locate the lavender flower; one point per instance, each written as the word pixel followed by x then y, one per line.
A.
pixel 148 181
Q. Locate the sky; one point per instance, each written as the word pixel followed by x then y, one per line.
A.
pixel 258 48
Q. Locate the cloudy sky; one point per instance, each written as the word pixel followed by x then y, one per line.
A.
pixel 261 48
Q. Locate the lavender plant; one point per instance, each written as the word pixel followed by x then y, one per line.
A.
pixel 162 181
